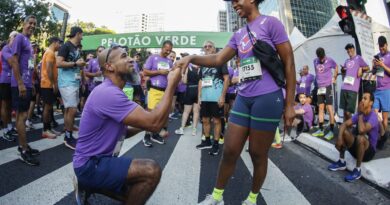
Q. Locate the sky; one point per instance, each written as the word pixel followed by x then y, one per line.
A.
pixel 180 15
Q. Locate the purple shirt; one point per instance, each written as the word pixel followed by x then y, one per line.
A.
pixel 265 28
pixel 136 76
pixel 371 118
pixel 304 84
pixel 101 125
pixel 5 76
pixel 21 46
pixel 308 116
pixel 181 88
pixel 324 71
pixel 383 83
pixel 352 66
pixel 232 73
pixel 156 62
pixel 92 67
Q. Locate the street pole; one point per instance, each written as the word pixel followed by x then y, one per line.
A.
pixel 64 25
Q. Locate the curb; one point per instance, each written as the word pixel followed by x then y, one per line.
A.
pixel 376 171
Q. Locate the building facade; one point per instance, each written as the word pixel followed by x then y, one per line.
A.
pixel 152 22
pixel 222 21
pixel 234 22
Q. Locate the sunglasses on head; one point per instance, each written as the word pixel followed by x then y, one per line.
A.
pixel 207 46
pixel 113 46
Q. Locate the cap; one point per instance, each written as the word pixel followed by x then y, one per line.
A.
pixel 184 54
pixel 13 34
pixel 54 39
pixel 349 46
pixel 74 30
pixel 382 41
pixel 138 54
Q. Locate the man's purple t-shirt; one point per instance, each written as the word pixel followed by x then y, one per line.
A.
pixel 304 84
pixel 324 71
pixel 21 47
pixel 383 83
pixel 93 67
pixel 5 76
pixel 265 28
pixel 232 73
pixel 352 66
pixel 101 124
pixel 308 116
pixel 371 118
pixel 156 62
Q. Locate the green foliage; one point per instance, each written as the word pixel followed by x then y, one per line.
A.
pixel 89 28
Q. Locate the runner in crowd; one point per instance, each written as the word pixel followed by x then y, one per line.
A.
pixel 304 83
pixel 180 92
pixel 9 133
pixel 361 143
pixel 259 103
pixel 381 65
pixel 21 61
pixel 49 89
pixel 191 79
pixel 138 92
pixel 212 88
pixel 69 62
pixel 93 72
pixel 353 69
pixel 129 89
pixel 157 67
pixel 35 77
pixel 172 57
pixel 103 127
pixel 323 67
pixel 304 115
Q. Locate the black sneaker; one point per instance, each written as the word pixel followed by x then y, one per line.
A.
pixel 205 144
pixel 147 141
pixel 70 142
pixel 29 159
pixel 214 150
pixel 13 132
pixel 54 124
pixel 9 137
pixel 157 139
pixel 30 150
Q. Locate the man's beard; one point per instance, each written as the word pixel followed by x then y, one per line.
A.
pixel 127 77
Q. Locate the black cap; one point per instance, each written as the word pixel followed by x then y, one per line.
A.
pixel 55 39
pixel 184 54
pixel 349 46
pixel 382 41
pixel 74 30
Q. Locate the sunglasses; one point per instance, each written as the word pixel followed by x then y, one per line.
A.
pixel 113 46
pixel 207 46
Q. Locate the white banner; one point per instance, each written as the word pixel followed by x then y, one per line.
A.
pixel 364 34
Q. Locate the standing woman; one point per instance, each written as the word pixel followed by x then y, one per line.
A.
pixel 259 104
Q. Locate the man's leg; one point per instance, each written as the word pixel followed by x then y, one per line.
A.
pixel 321 109
pixel 69 119
pixel 362 146
pixel 21 117
pixel 206 126
pixel 345 141
pixel 142 179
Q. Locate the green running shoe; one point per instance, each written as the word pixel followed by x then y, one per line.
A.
pixel 329 136
pixel 318 133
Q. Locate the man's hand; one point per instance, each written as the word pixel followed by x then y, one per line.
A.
pixel 360 107
pixel 221 101
pixel 183 63
pixel 289 114
pixel 379 63
pixel 80 63
pixel 22 90
pixel 334 80
pixel 164 72
pixel 98 74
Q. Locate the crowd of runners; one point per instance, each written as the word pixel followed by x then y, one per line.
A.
pixel 230 92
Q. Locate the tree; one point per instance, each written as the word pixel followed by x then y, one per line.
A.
pixel 90 28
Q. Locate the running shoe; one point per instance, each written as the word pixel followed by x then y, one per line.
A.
pixel 221 140
pixel 13 132
pixel 247 202
pixel 75 128
pixel 211 201
pixel 32 151
pixel 48 134
pixel 354 175
pixel 147 142
pixel 28 158
pixel 29 125
pixel 80 195
pixel 214 150
pixel 277 145
pixel 157 139
pixel 70 142
pixel 179 131
pixel 329 136
pixel 319 133
pixel 337 166
pixel 194 130
pixel 205 144
pixel 8 136
pixel 58 133
pixel 172 116
pixel 54 124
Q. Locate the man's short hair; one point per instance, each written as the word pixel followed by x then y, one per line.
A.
pixel 73 31
pixel 372 97
pixel 320 52
pixel 349 46
pixel 167 42
pixel 28 18
pixel 54 39
pixel 382 41
pixel 99 47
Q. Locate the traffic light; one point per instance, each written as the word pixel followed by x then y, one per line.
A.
pixel 346 24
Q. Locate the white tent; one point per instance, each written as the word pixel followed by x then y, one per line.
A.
pixel 296 37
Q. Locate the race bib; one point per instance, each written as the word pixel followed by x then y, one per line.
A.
pixel 302 85
pixel 207 82
pixel 380 72
pixel 118 146
pixel 77 76
pixel 98 79
pixel 321 91
pixel 250 69
pixel 349 80
pixel 163 66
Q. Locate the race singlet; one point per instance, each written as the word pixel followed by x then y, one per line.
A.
pixel 250 69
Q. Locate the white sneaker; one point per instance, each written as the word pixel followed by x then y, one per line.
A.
pixel 211 201
pixel 179 131
pixel 49 135
pixel 194 131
